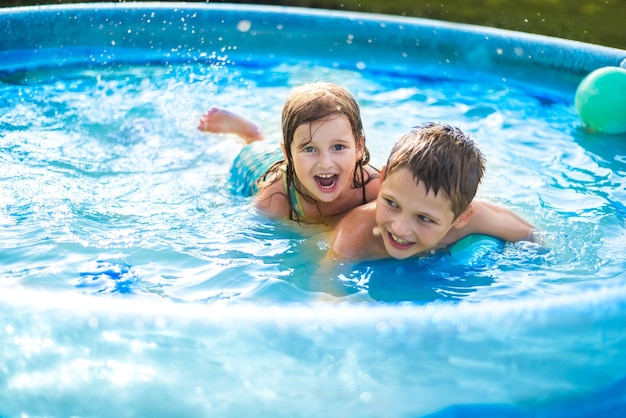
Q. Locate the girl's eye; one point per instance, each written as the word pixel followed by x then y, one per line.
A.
pixel 339 147
pixel 308 149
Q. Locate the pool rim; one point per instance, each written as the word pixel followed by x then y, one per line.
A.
pixel 108 33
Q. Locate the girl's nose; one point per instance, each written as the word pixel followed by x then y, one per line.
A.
pixel 325 160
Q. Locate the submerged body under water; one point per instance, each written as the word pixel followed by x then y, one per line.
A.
pixel 111 196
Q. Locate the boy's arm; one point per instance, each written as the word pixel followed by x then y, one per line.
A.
pixel 498 222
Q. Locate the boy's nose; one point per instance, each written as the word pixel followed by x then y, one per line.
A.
pixel 401 226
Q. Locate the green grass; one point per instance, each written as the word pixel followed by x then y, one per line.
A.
pixel 599 22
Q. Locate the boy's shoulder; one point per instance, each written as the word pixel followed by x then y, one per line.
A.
pixel 353 233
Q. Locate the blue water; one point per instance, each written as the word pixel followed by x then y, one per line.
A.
pixel 132 283
pixel 109 188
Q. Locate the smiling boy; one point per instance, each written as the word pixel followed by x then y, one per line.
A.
pixel 426 201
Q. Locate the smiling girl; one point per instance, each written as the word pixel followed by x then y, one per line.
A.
pixel 322 169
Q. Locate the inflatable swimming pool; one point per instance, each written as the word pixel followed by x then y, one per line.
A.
pixel 133 283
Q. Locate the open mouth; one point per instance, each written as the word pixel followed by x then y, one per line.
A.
pixel 399 242
pixel 326 181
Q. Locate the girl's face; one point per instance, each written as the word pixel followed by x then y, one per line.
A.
pixel 324 154
pixel 411 221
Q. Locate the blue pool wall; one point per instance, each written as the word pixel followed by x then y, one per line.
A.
pixel 109 33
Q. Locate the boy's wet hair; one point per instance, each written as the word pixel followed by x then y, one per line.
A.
pixel 309 103
pixel 442 157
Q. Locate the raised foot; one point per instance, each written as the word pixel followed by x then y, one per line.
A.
pixel 218 120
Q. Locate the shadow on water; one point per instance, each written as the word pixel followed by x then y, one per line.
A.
pixel 609 152
pixel 611 148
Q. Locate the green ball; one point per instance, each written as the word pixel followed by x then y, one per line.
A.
pixel 601 100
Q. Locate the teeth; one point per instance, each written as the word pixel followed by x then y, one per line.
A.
pixel 399 240
pixel 326 181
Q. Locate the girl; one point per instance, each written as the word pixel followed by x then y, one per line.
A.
pixel 322 168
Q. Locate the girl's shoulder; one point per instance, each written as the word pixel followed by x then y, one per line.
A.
pixel 371 171
pixel 271 199
pixel 372 182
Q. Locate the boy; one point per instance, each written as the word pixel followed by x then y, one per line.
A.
pixel 426 201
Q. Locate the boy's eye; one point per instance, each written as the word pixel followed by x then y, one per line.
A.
pixel 391 203
pixel 424 219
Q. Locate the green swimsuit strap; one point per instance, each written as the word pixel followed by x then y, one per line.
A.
pixel 296 199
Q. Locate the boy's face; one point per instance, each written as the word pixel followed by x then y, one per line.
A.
pixel 324 155
pixel 410 220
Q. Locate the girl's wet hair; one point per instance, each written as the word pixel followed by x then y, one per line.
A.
pixel 309 103
pixel 442 157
